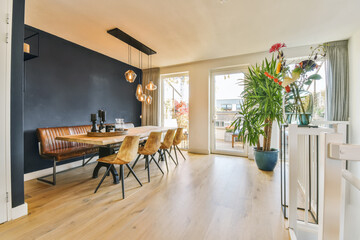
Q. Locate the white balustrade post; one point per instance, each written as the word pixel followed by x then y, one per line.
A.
pixel 342 129
pixel 329 188
pixel 293 175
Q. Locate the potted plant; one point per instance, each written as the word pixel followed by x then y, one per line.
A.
pixel 262 105
pixel 264 88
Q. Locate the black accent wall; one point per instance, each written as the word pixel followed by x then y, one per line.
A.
pixel 67 83
pixel 17 124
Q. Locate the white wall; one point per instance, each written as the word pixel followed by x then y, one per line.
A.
pixel 353 207
pixel 199 99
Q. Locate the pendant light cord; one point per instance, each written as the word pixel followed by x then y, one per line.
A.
pixel 129 52
pixel 140 63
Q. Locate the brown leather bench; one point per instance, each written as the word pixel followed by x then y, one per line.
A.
pixel 57 150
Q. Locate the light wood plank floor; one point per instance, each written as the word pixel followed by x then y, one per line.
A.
pixel 205 197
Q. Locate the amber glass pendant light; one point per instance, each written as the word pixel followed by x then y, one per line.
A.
pixel 148 99
pixel 130 75
pixel 150 86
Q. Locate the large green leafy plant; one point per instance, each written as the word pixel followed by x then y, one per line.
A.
pixel 262 104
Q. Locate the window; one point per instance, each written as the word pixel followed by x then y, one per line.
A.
pixel 318 90
pixel 175 102
pixel 226 107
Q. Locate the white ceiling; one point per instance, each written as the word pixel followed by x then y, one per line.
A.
pixel 191 30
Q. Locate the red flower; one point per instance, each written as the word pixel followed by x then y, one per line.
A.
pixel 287 88
pixel 280 83
pixel 276 47
pixel 276 80
pixel 269 76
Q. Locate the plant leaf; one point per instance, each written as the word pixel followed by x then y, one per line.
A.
pixel 308 82
pixel 315 77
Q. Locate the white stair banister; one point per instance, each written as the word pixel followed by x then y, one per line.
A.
pixel 351 178
pixel 341 151
pixel 300 143
pixel 330 188
pixel 293 165
pixel 302 150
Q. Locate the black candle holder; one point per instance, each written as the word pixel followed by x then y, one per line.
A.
pixel 101 116
pixel 93 120
pixel 94 127
pixel 102 126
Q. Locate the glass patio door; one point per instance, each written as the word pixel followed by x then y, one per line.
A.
pixel 175 103
pixel 225 104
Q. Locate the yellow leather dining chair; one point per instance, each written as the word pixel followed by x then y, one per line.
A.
pixel 150 148
pixel 165 146
pixel 179 137
pixel 126 154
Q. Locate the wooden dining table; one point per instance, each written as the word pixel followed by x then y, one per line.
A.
pixel 107 144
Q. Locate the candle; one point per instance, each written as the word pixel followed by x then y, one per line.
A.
pixel 100 113
pixel 103 116
pixel 93 117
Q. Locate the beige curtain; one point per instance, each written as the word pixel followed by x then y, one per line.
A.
pixel 150 113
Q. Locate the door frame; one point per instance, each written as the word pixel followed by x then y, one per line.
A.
pixel 6 107
pixel 213 73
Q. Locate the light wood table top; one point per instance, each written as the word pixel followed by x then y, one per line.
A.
pixel 101 141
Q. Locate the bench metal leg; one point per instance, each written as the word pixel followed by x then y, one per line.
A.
pixel 53 182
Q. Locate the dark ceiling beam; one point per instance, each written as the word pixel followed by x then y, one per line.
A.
pixel 131 41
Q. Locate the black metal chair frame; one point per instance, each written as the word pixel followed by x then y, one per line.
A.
pixel 176 148
pixel 147 163
pixel 162 157
pixel 121 170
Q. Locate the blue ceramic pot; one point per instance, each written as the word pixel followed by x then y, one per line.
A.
pixel 266 160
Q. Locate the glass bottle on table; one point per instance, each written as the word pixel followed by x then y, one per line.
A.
pixel 119 124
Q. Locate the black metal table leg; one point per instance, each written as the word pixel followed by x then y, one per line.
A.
pixel 103 152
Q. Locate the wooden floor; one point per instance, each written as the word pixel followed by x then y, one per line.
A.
pixel 205 197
